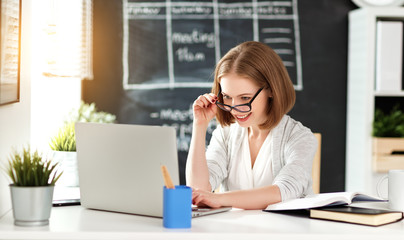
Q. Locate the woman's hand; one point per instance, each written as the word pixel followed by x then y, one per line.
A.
pixel 203 198
pixel 257 198
pixel 205 109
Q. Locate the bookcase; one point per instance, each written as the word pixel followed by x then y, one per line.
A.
pixel 362 95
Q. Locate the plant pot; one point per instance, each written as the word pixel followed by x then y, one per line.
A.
pixel 31 205
pixel 68 164
pixel 384 158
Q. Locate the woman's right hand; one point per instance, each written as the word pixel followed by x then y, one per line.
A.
pixel 205 109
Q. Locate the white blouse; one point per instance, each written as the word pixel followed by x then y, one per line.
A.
pixel 285 159
pixel 243 175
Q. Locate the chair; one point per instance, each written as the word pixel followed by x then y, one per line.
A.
pixel 315 172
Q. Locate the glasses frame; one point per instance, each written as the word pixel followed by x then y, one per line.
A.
pixel 223 106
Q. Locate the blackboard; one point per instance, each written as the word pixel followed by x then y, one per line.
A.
pixel 135 77
pixel 176 44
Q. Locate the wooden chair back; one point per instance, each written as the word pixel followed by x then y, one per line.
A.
pixel 316 169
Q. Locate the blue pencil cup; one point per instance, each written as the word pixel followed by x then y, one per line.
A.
pixel 177 207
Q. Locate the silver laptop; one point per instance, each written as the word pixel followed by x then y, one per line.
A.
pixel 120 167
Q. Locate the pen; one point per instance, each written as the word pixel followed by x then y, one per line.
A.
pixel 167 179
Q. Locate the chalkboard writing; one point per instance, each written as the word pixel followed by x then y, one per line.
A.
pixel 176 44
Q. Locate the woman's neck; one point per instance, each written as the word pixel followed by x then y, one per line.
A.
pixel 254 132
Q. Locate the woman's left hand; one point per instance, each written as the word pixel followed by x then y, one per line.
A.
pixel 203 198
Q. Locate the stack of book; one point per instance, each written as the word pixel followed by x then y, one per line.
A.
pixel 365 216
pixel 335 207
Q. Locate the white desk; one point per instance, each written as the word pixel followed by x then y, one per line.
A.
pixel 77 222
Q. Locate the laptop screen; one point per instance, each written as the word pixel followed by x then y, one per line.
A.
pixel 119 166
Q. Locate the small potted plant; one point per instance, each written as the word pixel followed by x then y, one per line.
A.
pixel 64 143
pixel 389 125
pixel 64 152
pixel 33 178
pixel 388 140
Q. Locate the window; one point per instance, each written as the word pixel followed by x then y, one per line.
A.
pixel 66 38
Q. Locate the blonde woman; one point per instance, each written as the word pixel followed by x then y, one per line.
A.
pixel 258 154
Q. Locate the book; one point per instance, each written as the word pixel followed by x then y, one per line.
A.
pixel 389 55
pixel 322 200
pixel 363 216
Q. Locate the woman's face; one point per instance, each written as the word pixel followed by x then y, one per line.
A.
pixel 238 90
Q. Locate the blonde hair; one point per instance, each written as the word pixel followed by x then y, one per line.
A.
pixel 258 62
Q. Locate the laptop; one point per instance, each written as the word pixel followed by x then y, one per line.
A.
pixel 120 167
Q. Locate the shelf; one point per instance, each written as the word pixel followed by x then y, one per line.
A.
pixel 389 93
pixel 363 173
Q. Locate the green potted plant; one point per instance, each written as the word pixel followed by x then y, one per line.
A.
pixel 64 143
pixel 388 140
pixel 33 178
pixel 389 125
pixel 65 140
pixel 64 152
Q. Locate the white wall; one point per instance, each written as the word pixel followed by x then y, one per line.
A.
pixel 15 118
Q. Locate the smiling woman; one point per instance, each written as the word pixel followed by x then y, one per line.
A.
pixel 258 155
pixel 10 51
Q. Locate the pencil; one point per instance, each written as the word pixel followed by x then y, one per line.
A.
pixel 167 179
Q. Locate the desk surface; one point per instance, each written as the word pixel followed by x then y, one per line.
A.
pixel 76 222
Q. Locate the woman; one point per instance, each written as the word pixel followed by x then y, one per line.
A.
pixel 258 154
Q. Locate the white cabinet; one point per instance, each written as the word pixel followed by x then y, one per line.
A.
pixel 362 94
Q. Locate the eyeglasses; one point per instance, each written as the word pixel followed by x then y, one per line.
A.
pixel 240 108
